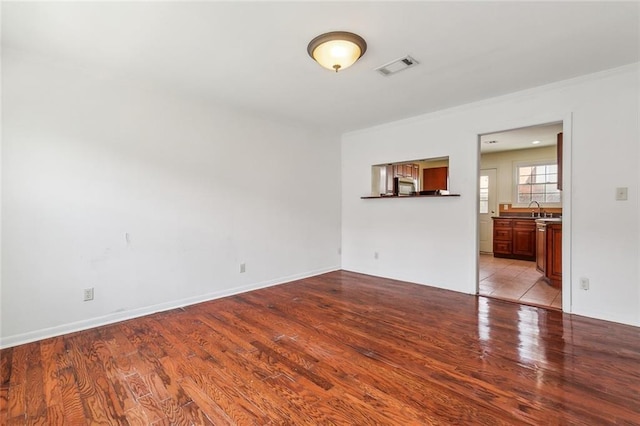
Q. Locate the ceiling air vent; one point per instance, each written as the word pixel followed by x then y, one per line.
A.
pixel 397 66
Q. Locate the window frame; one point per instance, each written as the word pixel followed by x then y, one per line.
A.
pixel 516 177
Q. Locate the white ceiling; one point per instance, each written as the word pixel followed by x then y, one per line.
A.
pixel 252 55
pixel 523 138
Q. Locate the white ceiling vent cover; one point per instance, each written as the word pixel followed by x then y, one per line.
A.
pixel 397 66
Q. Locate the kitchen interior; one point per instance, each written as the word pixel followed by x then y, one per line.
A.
pixel 520 209
pixel 520 216
pixel 416 178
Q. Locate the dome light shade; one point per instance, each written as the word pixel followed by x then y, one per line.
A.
pixel 337 50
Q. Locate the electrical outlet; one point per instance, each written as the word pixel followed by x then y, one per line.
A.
pixel 584 283
pixel 243 268
pixel 88 294
pixel 376 255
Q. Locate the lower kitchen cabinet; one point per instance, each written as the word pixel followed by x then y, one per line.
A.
pixel 554 254
pixel 514 238
pixel 549 252
pixel 524 239
pixel 502 237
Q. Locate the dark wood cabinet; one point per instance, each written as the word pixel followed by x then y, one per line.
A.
pixel 514 238
pixel 406 171
pixel 549 252
pixel 524 238
pixel 435 178
pixel 554 254
pixel 502 237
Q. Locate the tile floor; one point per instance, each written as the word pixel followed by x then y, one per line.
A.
pixel 516 280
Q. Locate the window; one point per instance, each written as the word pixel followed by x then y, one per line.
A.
pixel 537 182
pixel 484 194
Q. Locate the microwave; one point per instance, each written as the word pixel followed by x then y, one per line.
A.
pixel 403 186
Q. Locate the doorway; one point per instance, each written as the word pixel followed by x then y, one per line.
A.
pixel 518 178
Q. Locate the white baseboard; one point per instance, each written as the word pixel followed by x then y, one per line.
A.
pixel 32 336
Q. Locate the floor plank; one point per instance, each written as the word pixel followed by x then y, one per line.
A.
pixel 339 348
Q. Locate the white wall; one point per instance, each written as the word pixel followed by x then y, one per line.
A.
pixel 505 162
pixel 434 240
pixel 197 189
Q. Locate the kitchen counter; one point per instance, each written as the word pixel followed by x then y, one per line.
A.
pixel 548 220
pixel 527 217
pixel 515 217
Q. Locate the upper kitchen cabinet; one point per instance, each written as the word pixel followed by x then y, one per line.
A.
pixel 410 170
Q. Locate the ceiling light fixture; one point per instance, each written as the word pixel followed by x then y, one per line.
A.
pixel 535 142
pixel 337 50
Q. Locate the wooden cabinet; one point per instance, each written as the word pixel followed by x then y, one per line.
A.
pixel 406 171
pixel 524 238
pixel 549 252
pixel 554 254
pixel 502 237
pixel 514 238
pixel 435 178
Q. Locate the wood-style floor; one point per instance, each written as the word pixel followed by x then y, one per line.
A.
pixel 340 348
pixel 516 280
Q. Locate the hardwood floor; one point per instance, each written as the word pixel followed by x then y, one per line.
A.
pixel 340 348
pixel 518 281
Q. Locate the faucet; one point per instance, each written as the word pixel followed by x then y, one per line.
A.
pixel 539 210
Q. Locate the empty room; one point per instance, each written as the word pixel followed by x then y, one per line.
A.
pixel 303 213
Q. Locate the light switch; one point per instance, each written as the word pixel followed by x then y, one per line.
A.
pixel 621 193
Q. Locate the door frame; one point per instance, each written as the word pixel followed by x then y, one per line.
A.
pixel 567 212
